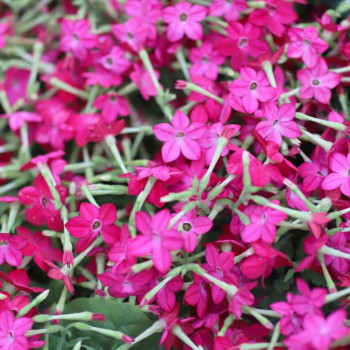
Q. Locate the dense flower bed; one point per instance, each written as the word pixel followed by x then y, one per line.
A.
pixel 174 175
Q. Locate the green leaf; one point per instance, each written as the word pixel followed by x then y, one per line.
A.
pixel 122 317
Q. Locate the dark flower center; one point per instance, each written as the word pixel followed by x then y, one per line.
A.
pixel 180 134
pixel 130 36
pixel 44 201
pixel 96 225
pixel 307 41
pixel 253 86
pixel 109 61
pixel 243 42
pixel 3 243
pixel 183 17
pixel 187 226
pixel 75 36
pixel 315 82
pixel 112 98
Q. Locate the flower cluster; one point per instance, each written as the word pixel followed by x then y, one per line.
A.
pixel 174 167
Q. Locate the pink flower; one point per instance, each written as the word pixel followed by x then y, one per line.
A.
pixel 146 11
pixel 112 105
pixel 252 88
pixel 279 122
pixel 10 249
pixel 305 43
pixel 115 61
pixel 16 83
pixel 133 32
pixel 17 119
pixel 41 209
pixel 206 61
pixel 191 226
pixel 320 332
pixel 144 81
pixel 339 177
pixel 275 15
pixel 13 330
pixel 166 297
pixel 156 239
pixel 228 8
pixel 91 222
pixel 76 37
pixel 318 82
pixel 183 20
pixel 263 224
pixel 3 29
pixel 180 137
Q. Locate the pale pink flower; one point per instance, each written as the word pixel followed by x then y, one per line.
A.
pixel 306 43
pixel 279 122
pixel 183 20
pixel 318 82
pixel 340 175
pixel 205 61
pixel 252 88
pixel 180 137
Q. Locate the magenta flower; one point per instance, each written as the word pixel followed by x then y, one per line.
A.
pixel 41 210
pixel 205 61
pixel 263 224
pixel 228 8
pixel 279 122
pixel 275 15
pixel 133 32
pixel 339 177
pixel 306 44
pixel 91 222
pixel 10 249
pixel 112 105
pixel 318 82
pixel 76 37
pixel 156 239
pixel 16 84
pixel 13 330
pixel 320 332
pixel 116 61
pixel 180 137
pixel 166 297
pixel 252 88
pixel 183 20
pixel 17 119
pixel 143 80
pixel 191 226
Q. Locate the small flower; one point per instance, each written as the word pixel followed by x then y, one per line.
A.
pixel 340 175
pixel 263 224
pixel 228 8
pixel 279 122
pixel 180 137
pixel 191 226
pixel 318 82
pixel 10 249
pixel 205 61
pixel 13 330
pixel 320 332
pixel 76 37
pixel 305 43
pixel 156 239
pixel 112 105
pixel 91 222
pixel 183 20
pixel 252 88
